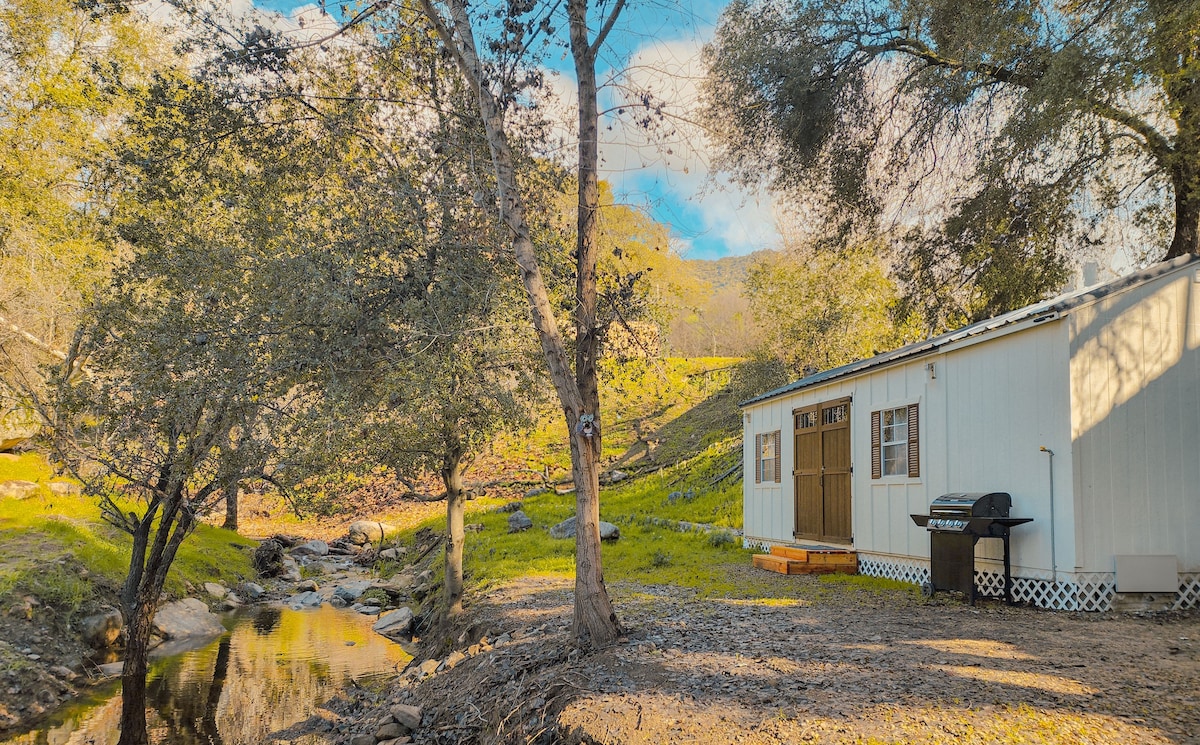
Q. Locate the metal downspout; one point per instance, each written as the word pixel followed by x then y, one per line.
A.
pixel 1053 556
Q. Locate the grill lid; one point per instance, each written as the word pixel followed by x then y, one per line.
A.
pixel 971 504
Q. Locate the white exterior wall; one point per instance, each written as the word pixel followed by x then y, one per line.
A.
pixel 983 416
pixel 1135 387
pixel 766 512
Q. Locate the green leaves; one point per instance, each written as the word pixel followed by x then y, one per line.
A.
pixel 999 138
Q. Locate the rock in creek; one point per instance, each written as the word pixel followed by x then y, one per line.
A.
pixel 185 619
pixel 307 599
pixel 101 630
pixel 395 624
pixel 351 591
pixel 312 548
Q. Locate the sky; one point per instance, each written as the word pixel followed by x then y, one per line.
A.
pixel 656 47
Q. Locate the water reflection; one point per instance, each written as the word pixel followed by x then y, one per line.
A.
pixel 270 671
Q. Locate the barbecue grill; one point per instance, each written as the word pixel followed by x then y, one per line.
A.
pixel 955 523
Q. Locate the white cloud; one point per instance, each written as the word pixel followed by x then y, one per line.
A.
pixel 655 155
pixel 652 147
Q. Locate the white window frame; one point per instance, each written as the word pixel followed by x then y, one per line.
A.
pixel 769 445
pixel 897 444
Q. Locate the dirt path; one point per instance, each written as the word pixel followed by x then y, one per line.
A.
pixel 816 662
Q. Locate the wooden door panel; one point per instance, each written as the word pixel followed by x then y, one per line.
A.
pixel 836 507
pixel 823 471
pixel 810 518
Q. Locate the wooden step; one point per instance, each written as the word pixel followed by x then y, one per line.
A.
pixel 772 563
pixel 792 560
pixel 788 552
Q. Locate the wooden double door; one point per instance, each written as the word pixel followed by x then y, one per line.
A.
pixel 823 471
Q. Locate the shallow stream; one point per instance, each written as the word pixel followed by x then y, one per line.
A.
pixel 271 669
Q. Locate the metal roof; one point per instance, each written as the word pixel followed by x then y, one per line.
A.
pixel 1061 304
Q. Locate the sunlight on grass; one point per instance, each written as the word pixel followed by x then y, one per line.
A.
pixel 58 549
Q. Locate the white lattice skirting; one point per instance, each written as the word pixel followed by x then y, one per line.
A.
pixel 1077 592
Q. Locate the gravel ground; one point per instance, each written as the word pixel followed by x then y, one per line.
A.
pixel 819 662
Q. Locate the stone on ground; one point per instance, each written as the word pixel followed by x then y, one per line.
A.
pixel 368 531
pixel 566 529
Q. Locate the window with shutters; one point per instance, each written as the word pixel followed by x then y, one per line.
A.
pixel 767 458
pixel 895 441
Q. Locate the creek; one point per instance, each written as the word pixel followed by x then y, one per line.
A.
pixel 272 668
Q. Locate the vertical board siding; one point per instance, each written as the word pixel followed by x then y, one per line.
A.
pixel 766 511
pixel 1135 384
pixel 981 420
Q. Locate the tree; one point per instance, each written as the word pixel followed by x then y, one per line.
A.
pixel 498 84
pixel 71 71
pixel 820 309
pixel 999 137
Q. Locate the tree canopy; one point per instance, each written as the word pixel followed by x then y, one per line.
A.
pixel 990 140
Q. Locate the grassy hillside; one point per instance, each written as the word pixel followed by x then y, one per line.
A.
pixel 685 466
pixel 55 549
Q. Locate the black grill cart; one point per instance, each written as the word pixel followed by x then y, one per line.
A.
pixel 956 522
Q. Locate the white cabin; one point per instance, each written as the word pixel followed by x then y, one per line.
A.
pixel 1085 408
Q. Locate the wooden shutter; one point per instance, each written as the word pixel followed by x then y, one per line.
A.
pixel 876 452
pixel 778 460
pixel 914 443
pixel 758 459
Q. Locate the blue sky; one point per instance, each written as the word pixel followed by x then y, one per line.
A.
pixel 667 173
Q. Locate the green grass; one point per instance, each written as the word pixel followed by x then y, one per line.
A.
pixel 57 549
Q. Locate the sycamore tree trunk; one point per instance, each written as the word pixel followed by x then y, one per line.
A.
pixel 589 574
pixel 594 619
pixel 456 498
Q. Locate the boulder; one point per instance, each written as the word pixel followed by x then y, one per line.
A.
pixel 566 529
pixel 252 590
pixel 519 521
pixel 408 716
pixel 613 477
pixel 217 591
pixel 394 624
pixel 111 669
pixel 308 599
pixel 17 489
pixel 101 630
pixel 312 548
pixel 368 531
pixel 392 554
pixel 351 591
pixel 187 618
pixel 16 425
pixel 64 488
pixel 390 731
pixel 307 585
pixel 368 610
pixel 8 443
